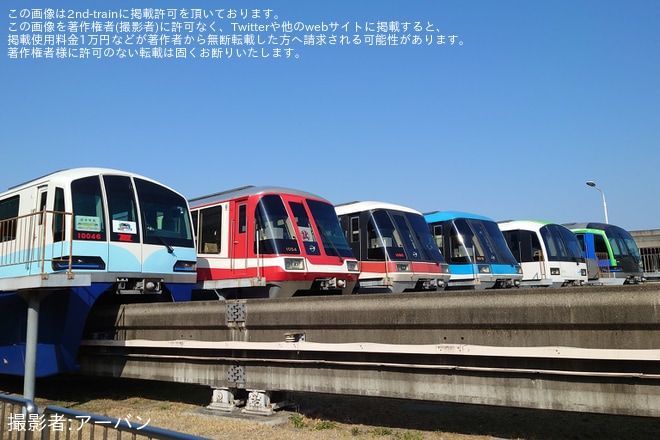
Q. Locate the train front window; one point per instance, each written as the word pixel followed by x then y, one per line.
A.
pixel 572 243
pixel 622 243
pixel 88 209
pixel 555 247
pixel 524 245
pixel 497 251
pixel 275 233
pixel 332 235
pixel 307 234
pixel 383 238
pixel 464 248
pixel 560 246
pixel 122 209
pixel 165 216
pixel 421 239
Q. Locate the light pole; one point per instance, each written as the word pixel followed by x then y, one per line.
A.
pixel 593 185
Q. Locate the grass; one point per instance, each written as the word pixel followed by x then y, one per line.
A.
pixel 297 420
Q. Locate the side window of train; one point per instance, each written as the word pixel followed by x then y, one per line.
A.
pixel 59 223
pixel 43 198
pixel 242 219
pixel 210 227
pixel 196 231
pixel 601 248
pixel 8 214
pixel 437 235
pixel 355 229
pixel 88 209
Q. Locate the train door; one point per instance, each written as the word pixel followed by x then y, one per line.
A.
pixel 587 244
pixel 38 245
pixel 239 237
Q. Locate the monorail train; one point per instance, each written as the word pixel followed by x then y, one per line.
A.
pixel 130 235
pixel 549 253
pixel 394 247
pixel 475 249
pixel 267 242
pixel 614 251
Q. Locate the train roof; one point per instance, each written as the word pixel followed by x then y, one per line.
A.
pixel 249 190
pixel 592 225
pixel 532 224
pixel 75 173
pixel 437 216
pixel 369 205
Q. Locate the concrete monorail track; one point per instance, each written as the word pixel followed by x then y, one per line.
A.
pixel 588 349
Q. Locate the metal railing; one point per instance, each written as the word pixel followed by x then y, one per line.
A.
pixel 651 259
pixel 21 420
pixel 16 414
pixel 36 239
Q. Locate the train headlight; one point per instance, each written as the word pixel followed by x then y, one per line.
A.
pixel 403 267
pixel 79 262
pixel 519 269
pixel 185 266
pixel 445 268
pixel 294 264
pixel 555 271
pixel 583 272
pixel 483 268
pixel 352 266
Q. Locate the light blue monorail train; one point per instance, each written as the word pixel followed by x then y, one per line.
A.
pixel 475 249
pixel 129 234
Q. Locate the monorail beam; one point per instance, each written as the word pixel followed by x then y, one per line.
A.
pixel 589 317
pixel 497 347
pixel 544 378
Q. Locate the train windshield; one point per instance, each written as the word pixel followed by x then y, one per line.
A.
pixel 275 232
pixel 622 243
pixel 402 236
pixel 561 244
pixel 478 241
pixel 327 223
pixel 165 215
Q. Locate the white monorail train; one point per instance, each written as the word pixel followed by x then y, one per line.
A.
pixel 131 235
pixel 394 246
pixel 549 253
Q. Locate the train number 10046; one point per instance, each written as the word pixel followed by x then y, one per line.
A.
pixel 88 236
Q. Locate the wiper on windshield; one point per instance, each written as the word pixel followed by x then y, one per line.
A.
pixel 169 248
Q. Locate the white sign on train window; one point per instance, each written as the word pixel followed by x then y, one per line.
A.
pixel 124 227
pixel 88 223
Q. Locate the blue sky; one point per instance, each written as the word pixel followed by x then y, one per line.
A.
pixel 537 98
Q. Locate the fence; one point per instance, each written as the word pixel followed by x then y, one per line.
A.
pixel 21 420
pixel 34 239
pixel 650 259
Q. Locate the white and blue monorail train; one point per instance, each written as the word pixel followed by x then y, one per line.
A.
pixel 475 249
pixel 549 253
pixel 131 235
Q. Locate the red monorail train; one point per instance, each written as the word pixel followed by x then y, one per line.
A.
pixel 267 242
